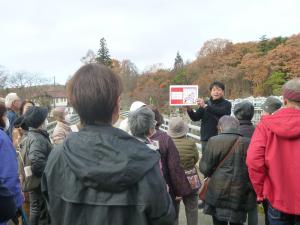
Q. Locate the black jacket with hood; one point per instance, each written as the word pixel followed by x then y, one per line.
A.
pixel 101 175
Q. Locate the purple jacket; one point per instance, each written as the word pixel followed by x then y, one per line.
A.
pixel 9 168
pixel 172 171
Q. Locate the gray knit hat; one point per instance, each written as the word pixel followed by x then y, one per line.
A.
pixel 244 110
pixel 177 127
pixel 271 105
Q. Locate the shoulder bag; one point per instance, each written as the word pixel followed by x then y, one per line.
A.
pixel 204 186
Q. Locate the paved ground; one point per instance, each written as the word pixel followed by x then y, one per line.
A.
pixel 206 220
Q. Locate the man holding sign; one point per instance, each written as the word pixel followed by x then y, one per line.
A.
pixel 209 112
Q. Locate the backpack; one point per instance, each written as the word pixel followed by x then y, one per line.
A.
pixel 8 206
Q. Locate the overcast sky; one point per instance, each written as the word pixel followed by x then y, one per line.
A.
pixel 50 37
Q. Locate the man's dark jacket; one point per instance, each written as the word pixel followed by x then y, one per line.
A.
pixel 246 128
pixel 210 116
pixel 230 186
pixel 102 175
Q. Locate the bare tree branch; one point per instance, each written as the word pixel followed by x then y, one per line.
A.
pixel 90 57
pixel 3 77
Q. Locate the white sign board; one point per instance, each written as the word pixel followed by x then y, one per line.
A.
pixel 183 95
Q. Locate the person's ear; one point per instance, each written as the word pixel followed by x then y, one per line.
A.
pixel 151 131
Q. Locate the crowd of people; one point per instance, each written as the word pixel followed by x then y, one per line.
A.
pixel 138 174
pixel 24 150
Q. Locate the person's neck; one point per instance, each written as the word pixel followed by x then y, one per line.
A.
pixel 142 139
pixel 101 123
pixel 291 105
pixel 14 110
pixel 216 100
pixel 245 122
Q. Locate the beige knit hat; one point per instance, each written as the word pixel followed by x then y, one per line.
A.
pixel 177 127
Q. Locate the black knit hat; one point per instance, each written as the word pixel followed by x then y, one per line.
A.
pixel 244 110
pixel 34 117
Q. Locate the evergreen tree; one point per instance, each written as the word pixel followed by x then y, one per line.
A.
pixel 178 64
pixel 181 77
pixel 275 82
pixel 103 56
pixel 263 44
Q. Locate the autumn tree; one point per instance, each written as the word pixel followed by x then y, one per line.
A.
pixel 243 67
pixel 129 74
pixel 103 56
pixel 156 67
pixel 213 47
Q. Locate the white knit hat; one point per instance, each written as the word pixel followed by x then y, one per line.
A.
pixel 136 105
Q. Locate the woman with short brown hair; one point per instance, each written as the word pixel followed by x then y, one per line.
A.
pixel 101 174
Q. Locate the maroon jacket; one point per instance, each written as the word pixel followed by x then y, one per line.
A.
pixel 172 171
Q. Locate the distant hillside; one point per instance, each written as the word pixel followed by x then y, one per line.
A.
pixel 252 68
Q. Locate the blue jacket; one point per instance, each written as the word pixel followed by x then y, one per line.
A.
pixel 9 168
pixel 12 116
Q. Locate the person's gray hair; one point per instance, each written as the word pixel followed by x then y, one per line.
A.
pixel 228 123
pixel 141 121
pixel 2 101
pixel 10 98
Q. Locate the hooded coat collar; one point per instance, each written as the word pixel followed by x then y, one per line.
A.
pixel 284 122
pixel 40 131
pixel 107 158
pixel 245 122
